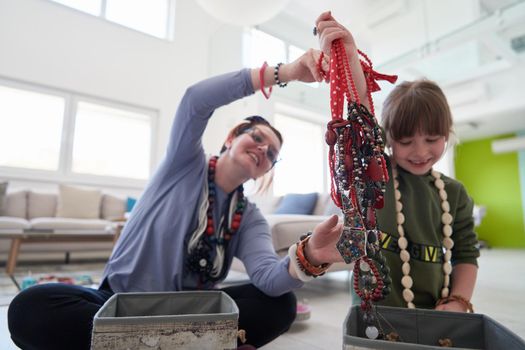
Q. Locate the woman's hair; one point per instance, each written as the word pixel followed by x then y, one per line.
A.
pixel 263 182
pixel 417 106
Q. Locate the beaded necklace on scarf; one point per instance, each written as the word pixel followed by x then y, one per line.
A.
pixel 204 241
pixel 359 176
pixel 448 243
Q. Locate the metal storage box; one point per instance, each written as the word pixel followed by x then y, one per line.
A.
pixel 173 320
pixel 422 329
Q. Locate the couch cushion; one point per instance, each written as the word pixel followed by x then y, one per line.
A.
pixel 113 207
pixel 287 229
pixel 297 203
pixel 12 225
pixel 68 225
pixel 16 204
pixel 3 191
pixel 41 204
pixel 79 203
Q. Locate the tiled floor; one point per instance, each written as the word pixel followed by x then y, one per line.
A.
pixel 499 294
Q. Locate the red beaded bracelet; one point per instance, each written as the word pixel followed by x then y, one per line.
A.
pixel 261 80
pixel 307 267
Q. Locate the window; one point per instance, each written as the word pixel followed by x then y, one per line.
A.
pixel 148 16
pixel 68 137
pixel 259 46
pixel 31 130
pixel 89 6
pixel 303 166
pixel 111 142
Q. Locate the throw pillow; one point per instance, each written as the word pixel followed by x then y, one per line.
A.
pixel 16 204
pixel 130 203
pixel 297 203
pixel 113 207
pixel 78 203
pixel 41 205
pixel 3 191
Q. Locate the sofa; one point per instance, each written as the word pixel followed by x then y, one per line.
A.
pixel 72 220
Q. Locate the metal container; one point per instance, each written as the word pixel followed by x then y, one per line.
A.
pixel 423 329
pixel 172 320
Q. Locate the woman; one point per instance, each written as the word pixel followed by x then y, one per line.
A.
pixel 190 222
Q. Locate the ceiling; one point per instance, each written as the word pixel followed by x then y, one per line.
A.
pixel 475 49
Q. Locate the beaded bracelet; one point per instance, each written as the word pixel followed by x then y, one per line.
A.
pixel 455 297
pixel 276 75
pixel 261 80
pixel 292 253
pixel 307 267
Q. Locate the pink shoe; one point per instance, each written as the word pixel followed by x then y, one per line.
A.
pixel 303 311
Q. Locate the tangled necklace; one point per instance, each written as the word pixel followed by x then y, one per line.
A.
pixel 448 243
pixel 358 179
pixel 204 242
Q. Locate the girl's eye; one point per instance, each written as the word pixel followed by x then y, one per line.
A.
pixel 404 143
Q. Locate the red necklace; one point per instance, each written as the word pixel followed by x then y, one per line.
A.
pixel 358 178
pixel 200 260
pixel 237 215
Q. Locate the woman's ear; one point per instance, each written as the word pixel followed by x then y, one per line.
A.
pixel 228 142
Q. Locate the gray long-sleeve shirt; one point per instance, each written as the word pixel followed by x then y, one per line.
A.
pixel 150 253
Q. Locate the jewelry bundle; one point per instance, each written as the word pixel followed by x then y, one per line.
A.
pixel 358 179
pixel 206 248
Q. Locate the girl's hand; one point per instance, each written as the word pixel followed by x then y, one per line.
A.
pixel 304 68
pixel 452 306
pixel 329 30
pixel 321 248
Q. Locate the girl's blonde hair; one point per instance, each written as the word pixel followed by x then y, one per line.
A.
pixel 416 106
pixel 262 183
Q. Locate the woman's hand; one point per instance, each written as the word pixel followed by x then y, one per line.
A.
pixel 321 248
pixel 305 68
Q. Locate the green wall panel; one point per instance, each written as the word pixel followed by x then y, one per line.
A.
pixel 493 180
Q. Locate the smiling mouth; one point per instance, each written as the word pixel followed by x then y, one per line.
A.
pixel 254 157
pixel 419 163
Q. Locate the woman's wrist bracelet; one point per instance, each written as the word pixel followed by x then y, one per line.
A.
pixel 292 253
pixel 276 75
pixel 261 81
pixel 302 259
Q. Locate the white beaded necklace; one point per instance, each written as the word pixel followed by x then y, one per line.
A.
pixel 448 243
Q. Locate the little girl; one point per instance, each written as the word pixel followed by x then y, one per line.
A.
pixel 428 239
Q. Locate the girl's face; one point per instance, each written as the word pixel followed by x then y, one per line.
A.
pixel 418 153
pixel 257 150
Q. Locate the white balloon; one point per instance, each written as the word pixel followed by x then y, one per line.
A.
pixel 243 12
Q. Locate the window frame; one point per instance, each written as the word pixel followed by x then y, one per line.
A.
pixel 169 31
pixel 249 33
pixel 64 173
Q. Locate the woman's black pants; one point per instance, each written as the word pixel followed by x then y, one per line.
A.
pixel 60 316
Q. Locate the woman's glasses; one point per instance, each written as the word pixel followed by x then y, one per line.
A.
pixel 260 140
